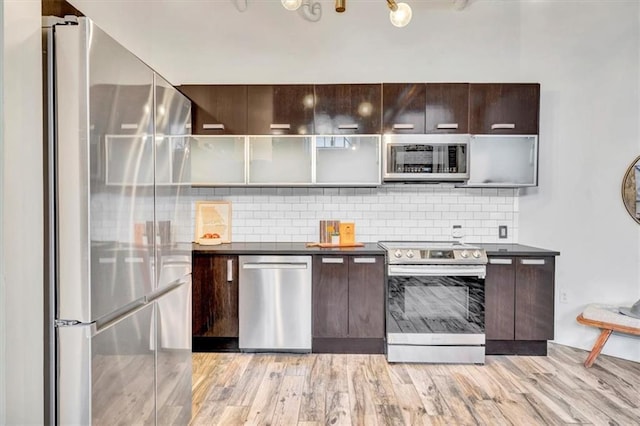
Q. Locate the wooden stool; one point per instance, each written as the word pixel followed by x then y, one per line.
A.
pixel 608 321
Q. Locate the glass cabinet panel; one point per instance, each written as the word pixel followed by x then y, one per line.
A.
pixel 277 160
pixel 352 160
pixel 503 160
pixel 217 160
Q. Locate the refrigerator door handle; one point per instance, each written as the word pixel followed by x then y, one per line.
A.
pixel 118 315
pixel 164 290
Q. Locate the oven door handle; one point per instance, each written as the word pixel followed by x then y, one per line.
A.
pixel 479 271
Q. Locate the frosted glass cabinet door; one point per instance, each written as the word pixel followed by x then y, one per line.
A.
pixel 503 160
pixel 277 160
pixel 352 160
pixel 217 160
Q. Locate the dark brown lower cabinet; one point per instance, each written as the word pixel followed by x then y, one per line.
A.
pixel 348 304
pixel 215 302
pixel 519 305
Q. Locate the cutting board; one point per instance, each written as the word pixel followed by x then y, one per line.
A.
pixel 329 245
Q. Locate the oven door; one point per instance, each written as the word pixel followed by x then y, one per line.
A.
pixel 435 313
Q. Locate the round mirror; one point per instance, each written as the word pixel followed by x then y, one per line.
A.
pixel 631 189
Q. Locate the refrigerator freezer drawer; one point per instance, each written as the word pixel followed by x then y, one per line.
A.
pixel 107 378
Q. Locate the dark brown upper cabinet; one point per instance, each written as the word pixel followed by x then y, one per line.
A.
pixel 447 108
pixel 403 108
pixel 504 108
pixel 218 110
pixel 280 110
pixel 348 109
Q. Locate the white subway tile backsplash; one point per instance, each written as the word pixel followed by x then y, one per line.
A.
pixel 391 212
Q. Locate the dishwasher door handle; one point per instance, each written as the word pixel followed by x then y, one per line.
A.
pixel 274 266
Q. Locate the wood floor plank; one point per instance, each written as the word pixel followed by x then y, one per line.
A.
pixel 363 408
pixel 338 409
pixel 233 415
pixel 488 413
pixel 289 397
pixel 263 406
pixel 456 400
pixel 246 388
pixel 427 391
pixel 312 407
pixel 412 409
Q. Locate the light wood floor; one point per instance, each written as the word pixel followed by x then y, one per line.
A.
pixel 315 389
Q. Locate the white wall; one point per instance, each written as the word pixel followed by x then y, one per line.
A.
pixel 22 269
pixel 583 53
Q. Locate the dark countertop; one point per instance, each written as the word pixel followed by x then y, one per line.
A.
pixel 369 248
pixel 284 248
pixel 515 250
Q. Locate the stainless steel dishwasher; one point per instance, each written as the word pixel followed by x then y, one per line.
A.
pixel 274 303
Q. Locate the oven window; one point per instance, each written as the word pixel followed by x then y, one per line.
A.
pixel 442 304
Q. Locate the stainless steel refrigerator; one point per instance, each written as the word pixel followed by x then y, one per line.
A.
pixel 118 244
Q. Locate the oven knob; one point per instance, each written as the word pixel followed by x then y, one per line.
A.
pixel 397 253
pixel 476 254
pixel 464 254
pixel 410 254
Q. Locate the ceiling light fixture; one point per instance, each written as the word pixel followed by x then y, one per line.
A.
pixel 291 4
pixel 400 14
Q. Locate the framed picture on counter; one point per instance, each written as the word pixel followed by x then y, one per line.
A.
pixel 213 221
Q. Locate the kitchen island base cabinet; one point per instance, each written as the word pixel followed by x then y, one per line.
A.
pixel 519 307
pixel 348 304
pixel 215 303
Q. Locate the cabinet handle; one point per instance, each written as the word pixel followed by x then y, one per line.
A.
pixel 229 270
pixel 503 126
pixel 400 126
pixel 501 261
pixel 129 126
pixel 364 260
pixel 348 126
pixel 532 261
pixel 447 126
pixel 213 126
pixel 332 260
pixel 280 126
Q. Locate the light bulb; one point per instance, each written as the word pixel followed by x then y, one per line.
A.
pixel 291 4
pixel 401 16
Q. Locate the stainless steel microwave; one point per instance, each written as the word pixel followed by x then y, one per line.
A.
pixel 414 158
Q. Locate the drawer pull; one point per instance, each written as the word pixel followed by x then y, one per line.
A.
pixel 442 126
pixel 500 261
pixel 532 261
pixel 332 260
pixel 353 126
pixel 129 126
pixel 498 126
pixel 364 260
pixel 229 270
pixel 210 126
pixel 280 126
pixel 400 126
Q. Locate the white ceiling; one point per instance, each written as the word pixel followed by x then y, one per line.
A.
pixel 212 41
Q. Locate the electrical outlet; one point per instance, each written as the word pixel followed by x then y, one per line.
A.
pixel 456 231
pixel 502 231
pixel 563 296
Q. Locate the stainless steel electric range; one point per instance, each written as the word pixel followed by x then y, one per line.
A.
pixel 435 302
